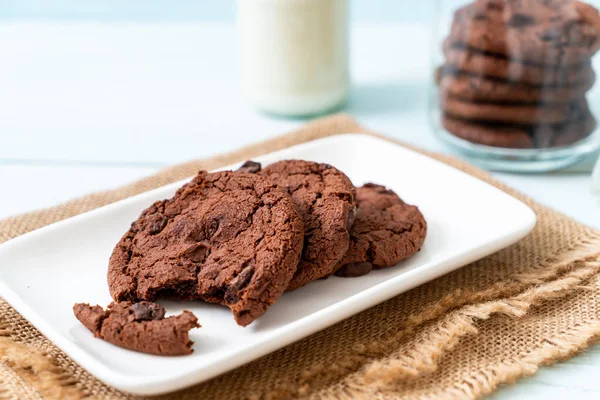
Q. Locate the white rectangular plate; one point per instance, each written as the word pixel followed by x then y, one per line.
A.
pixel 43 273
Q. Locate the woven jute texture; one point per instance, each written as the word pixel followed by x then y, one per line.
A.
pixel 459 336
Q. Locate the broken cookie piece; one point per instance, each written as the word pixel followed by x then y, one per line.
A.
pixel 139 326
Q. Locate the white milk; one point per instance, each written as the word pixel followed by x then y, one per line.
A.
pixel 294 54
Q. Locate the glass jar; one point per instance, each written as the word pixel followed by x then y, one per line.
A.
pixel 294 55
pixel 515 81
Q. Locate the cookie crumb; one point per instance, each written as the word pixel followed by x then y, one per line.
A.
pixel 140 327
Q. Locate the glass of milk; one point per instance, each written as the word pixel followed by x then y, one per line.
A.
pixel 294 55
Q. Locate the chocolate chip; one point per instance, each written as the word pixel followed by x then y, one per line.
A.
pixel 146 311
pixel 238 283
pixel 197 252
pixel 212 227
pixel 231 297
pixel 214 292
pixel 551 35
pixel 157 223
pixel 520 21
pixel 242 279
pixel 353 270
pixel 250 166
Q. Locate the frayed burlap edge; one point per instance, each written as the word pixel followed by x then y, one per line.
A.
pixel 377 375
pixel 31 373
pixel 375 366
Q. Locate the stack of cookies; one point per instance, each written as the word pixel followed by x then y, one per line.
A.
pixel 516 72
pixel 241 239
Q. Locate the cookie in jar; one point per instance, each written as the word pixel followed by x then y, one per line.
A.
pixel 514 82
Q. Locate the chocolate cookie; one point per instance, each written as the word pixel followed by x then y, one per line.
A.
pixel 139 326
pixel 520 136
pixel 558 32
pixel 571 133
pixel 460 59
pixel 385 232
pixel 232 238
pixel 506 113
pixel 325 198
pixel 516 137
pixel 477 88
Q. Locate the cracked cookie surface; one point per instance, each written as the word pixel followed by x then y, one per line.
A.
pixel 325 198
pixel 232 238
pixel 385 232
pixel 139 326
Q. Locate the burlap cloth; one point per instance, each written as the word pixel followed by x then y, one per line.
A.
pixel 459 336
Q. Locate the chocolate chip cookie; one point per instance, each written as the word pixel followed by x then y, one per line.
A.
pixel 507 113
pixel 477 88
pixel 571 132
pixel 385 232
pixel 325 198
pixel 520 136
pixel 515 137
pixel 461 59
pixel 139 326
pixel 233 238
pixel 559 32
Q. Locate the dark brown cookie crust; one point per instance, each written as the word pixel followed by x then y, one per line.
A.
pixel 461 59
pixel 561 32
pixel 232 238
pixel 325 198
pixel 477 88
pixel 385 232
pixel 520 136
pixel 506 113
pixel 140 326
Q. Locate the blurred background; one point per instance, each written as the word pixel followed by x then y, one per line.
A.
pixel 153 82
pixel 199 10
pixel 94 94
